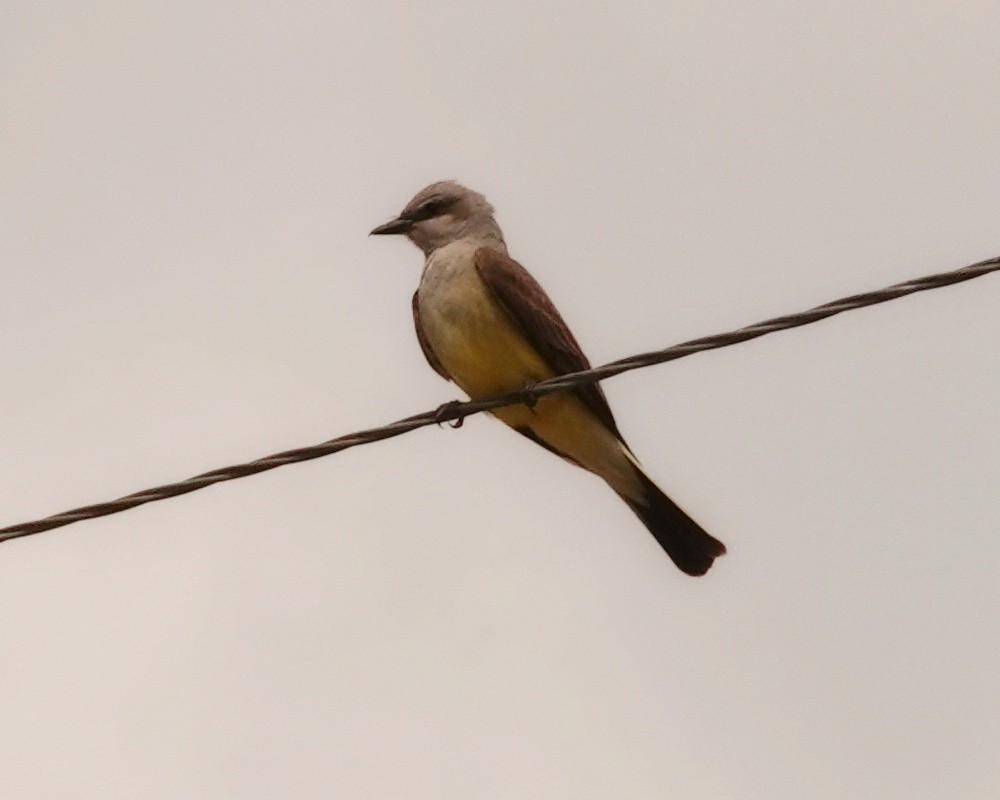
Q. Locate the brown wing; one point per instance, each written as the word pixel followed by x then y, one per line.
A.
pixel 524 300
pixel 424 344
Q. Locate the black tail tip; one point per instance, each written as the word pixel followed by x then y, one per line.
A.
pixel 699 558
pixel 689 546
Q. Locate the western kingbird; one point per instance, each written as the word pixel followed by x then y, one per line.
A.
pixel 485 323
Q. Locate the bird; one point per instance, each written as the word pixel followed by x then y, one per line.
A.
pixel 486 324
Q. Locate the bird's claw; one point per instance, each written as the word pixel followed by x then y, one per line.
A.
pixel 530 397
pixel 445 410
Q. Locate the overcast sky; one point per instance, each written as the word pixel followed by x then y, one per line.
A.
pixel 187 283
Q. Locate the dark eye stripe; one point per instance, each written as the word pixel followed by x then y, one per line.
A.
pixel 433 207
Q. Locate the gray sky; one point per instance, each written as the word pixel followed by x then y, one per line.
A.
pixel 187 283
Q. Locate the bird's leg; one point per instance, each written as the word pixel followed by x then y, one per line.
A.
pixel 444 411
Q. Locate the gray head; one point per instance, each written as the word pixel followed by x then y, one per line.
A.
pixel 443 213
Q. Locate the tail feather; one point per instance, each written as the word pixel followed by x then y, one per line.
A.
pixel 688 545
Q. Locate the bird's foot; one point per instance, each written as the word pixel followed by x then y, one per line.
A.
pixel 530 397
pixel 444 413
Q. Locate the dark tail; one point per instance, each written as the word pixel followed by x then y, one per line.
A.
pixel 688 546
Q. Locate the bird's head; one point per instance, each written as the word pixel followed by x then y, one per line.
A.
pixel 442 213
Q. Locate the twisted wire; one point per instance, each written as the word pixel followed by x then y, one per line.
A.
pixel 457 411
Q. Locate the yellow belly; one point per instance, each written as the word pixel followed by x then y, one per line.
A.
pixel 486 355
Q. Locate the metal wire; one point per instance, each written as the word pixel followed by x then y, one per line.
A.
pixel 457 411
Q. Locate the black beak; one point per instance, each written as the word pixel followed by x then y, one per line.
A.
pixel 398 225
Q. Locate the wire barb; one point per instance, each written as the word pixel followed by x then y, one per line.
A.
pixel 458 411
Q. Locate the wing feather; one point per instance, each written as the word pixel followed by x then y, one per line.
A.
pixel 425 345
pixel 534 314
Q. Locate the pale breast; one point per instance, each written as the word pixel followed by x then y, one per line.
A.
pixel 471 336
